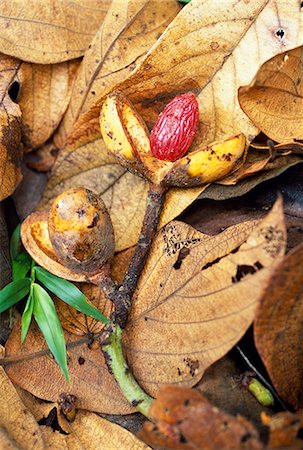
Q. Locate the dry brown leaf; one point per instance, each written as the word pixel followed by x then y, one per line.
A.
pixel 43 158
pixel 279 328
pixel 129 30
pixel 51 31
pixel 212 48
pixel 44 96
pixel 184 419
pixel 274 102
pixel 197 296
pixel 17 425
pixel 78 323
pixel 273 170
pixel 124 194
pixel 91 383
pixel 11 151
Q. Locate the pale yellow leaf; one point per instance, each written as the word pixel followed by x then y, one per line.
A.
pixel 129 30
pixel 49 31
pixel 274 102
pixel 44 96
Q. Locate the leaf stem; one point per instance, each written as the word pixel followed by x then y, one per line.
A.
pixel 154 205
pixel 111 345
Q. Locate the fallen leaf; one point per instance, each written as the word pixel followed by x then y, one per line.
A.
pixel 17 425
pixel 221 385
pixel 128 31
pixel 205 49
pixel 50 32
pixel 44 96
pixel 124 194
pixel 43 158
pixel 11 151
pixel 184 419
pixel 197 296
pixel 278 328
pixel 92 384
pixel 78 323
pixel 273 170
pixel 274 101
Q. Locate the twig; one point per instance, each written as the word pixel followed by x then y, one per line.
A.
pixel 154 205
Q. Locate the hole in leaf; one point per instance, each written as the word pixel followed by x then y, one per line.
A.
pixel 245 269
pixel 52 421
pixel 182 255
pixel 245 437
pixel 14 91
pixel 280 33
pixel 300 433
pixel 182 439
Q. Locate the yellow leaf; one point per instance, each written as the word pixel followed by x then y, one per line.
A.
pixel 274 102
pixel 128 31
pixel 44 96
pixel 197 296
pixel 51 31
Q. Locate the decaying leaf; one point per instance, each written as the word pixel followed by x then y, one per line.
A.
pixel 49 32
pixel 197 296
pixel 44 96
pixel 184 419
pixel 18 427
pixel 278 328
pixel 211 48
pixel 274 101
pixel 10 130
pixel 95 389
pixel 128 31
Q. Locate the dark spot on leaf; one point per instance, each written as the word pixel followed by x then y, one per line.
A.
pixel 235 250
pixel 136 402
pixel 182 439
pixel 110 134
pixel 81 360
pixel 93 92
pixel 14 91
pixel 80 212
pixel 245 437
pixel 186 402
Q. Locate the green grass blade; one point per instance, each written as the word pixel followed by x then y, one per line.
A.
pixel 27 317
pixel 21 265
pixel 47 319
pixel 13 293
pixel 69 293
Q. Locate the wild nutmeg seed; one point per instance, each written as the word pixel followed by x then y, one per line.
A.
pixel 81 231
pixel 175 128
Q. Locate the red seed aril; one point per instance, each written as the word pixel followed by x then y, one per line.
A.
pixel 175 128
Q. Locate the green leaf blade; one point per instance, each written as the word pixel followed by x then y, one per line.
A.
pixel 21 265
pixel 46 317
pixel 27 317
pixel 15 242
pixel 13 293
pixel 69 293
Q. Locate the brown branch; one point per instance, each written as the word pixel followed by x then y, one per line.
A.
pixel 154 205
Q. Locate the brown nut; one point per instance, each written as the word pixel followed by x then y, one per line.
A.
pixel 81 231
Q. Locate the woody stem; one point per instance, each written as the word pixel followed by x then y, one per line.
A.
pixel 154 206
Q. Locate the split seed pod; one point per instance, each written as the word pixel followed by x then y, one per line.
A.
pixel 81 231
pixel 126 137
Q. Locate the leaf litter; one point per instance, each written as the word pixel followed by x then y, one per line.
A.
pixel 199 293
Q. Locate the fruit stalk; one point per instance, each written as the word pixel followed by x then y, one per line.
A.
pixel 154 206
